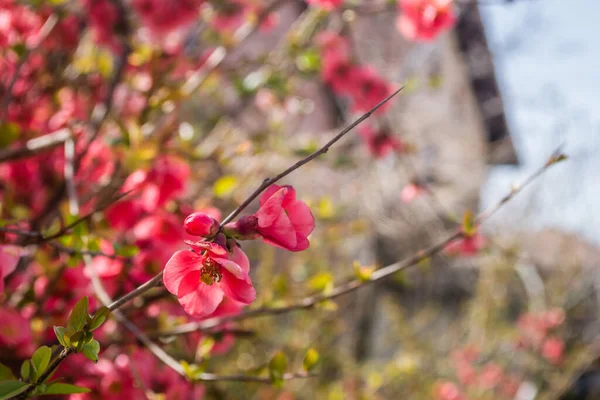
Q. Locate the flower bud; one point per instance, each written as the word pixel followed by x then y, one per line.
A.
pixel 243 229
pixel 201 224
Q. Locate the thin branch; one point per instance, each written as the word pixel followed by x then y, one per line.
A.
pixel 376 276
pixel 269 181
pixel 61 357
pixel 36 145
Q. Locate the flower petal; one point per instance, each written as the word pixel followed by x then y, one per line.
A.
pixel 301 217
pixel 238 289
pixel 240 258
pixel 181 263
pixel 203 300
pixel 230 266
pixel 281 231
pixel 270 210
pixel 271 190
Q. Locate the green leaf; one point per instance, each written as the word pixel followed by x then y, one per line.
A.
pixel 25 369
pixel 310 359
pixel 126 250
pixel 321 281
pixel 99 318
pixel 41 359
pixel 61 335
pixel 78 316
pixel 9 132
pixel 10 389
pixel 6 373
pixel 277 367
pixel 64 388
pixel 225 185
pixel 90 350
pixel 468 224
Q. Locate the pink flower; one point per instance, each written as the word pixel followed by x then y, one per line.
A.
pixel 9 258
pixel 379 142
pixel 553 350
pixel 282 220
pixel 448 391
pixel 328 5
pixel 163 16
pixel 411 192
pixel 338 73
pixel 201 224
pixel 468 245
pixel 491 375
pixel 201 278
pixel 369 89
pixel 15 332
pixel 425 19
pixel 165 181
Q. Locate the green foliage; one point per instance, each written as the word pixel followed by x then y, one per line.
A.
pixel 277 368
pixel 41 359
pixel 311 358
pixel 61 335
pixel 79 315
pixel 90 350
pixel 99 318
pixel 6 373
pixel 225 185
pixel 9 132
pixel 63 388
pixel 10 389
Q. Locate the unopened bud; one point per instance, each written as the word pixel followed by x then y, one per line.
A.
pixel 201 224
pixel 243 229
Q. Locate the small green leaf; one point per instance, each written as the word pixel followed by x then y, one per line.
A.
pixel 99 318
pixel 41 358
pixel 9 132
pixel 468 224
pixel 10 389
pixel 204 347
pixel 225 186
pixel 277 367
pixel 76 337
pixel 6 373
pixel 78 316
pixel 310 359
pixel 64 388
pixel 321 281
pixel 90 350
pixel 25 369
pixel 126 250
pixel 61 335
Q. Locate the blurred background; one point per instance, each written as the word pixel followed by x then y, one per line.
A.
pixel 510 312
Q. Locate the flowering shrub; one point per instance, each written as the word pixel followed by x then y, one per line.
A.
pixel 110 190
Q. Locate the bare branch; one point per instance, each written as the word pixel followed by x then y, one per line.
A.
pixel 353 285
pixel 269 181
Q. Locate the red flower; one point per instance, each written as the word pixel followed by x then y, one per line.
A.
pixel 201 278
pixel 9 258
pixel 201 224
pixel 467 245
pixel 369 89
pixel 328 5
pixel 425 19
pixel 412 191
pixel 282 220
pixel 553 350
pixel 380 143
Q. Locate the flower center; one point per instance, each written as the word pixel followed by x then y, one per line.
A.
pixel 210 273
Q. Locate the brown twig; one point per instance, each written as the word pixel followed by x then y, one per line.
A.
pixel 376 276
pixel 269 181
pixel 36 145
